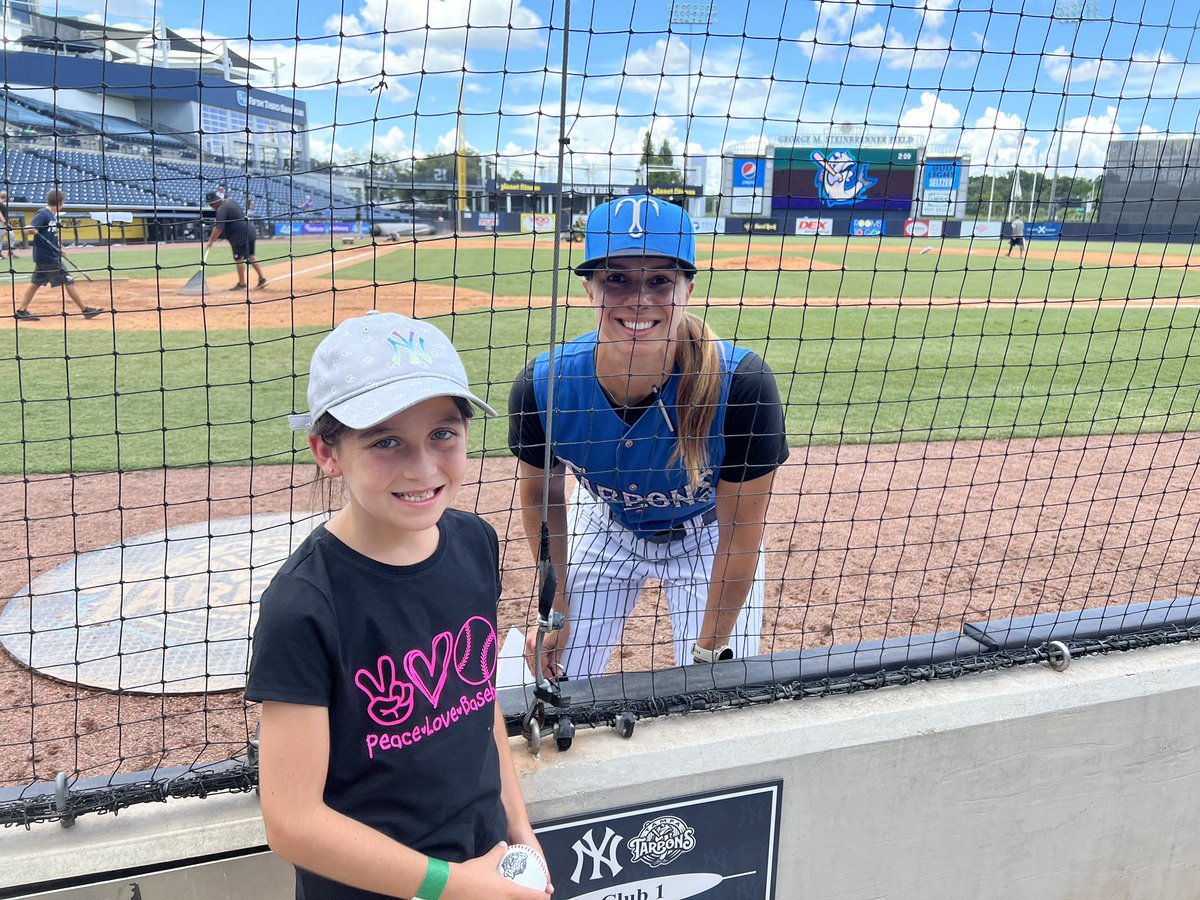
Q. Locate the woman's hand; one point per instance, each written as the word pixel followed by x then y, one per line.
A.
pixel 553 645
pixel 480 877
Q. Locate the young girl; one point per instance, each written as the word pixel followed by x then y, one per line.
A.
pixel 673 436
pixel 384 766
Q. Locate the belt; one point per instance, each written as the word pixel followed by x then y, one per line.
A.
pixel 680 531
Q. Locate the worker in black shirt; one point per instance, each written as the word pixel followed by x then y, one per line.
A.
pixel 232 224
pixel 6 235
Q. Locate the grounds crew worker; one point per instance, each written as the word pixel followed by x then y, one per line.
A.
pixel 233 225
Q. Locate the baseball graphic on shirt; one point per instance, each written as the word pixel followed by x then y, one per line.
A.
pixel 475 651
pixel 524 866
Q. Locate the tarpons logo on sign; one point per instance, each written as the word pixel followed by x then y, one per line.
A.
pixel 662 841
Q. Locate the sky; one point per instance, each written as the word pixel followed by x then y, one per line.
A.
pixel 1000 81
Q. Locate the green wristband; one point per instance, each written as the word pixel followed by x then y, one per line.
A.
pixel 437 873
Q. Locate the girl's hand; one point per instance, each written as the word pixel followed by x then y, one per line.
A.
pixel 529 839
pixel 480 877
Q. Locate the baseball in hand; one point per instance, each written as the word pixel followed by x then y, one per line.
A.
pixel 525 866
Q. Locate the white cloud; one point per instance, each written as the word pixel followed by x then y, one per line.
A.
pixel 932 112
pixel 873 36
pixel 311 66
pixel 933 121
pixel 443 23
pixel 929 51
pixel 934 11
pixel 996 138
pixel 392 144
pixel 322 148
pixel 1058 64
pixel 1160 74
pixel 1084 142
pixel 836 21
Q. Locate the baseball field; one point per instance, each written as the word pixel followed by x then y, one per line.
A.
pixel 972 436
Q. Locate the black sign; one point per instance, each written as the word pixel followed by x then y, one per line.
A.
pixel 719 846
pixel 760 226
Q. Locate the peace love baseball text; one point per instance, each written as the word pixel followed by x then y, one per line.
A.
pixel 464 707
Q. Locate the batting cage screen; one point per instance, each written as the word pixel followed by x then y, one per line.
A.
pixel 928 406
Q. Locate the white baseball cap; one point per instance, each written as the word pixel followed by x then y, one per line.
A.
pixel 371 367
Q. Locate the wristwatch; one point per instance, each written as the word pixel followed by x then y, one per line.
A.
pixel 700 655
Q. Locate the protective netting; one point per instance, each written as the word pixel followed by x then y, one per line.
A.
pixel 960 240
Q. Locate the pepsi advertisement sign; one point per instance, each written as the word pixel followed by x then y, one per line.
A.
pixel 749 173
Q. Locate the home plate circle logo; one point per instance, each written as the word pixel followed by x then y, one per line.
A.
pixel 170 612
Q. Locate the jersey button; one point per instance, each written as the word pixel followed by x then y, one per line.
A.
pixel 629 443
pixel 633 487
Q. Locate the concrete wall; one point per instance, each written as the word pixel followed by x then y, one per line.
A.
pixel 1022 783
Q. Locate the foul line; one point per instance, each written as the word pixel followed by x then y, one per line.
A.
pixel 336 263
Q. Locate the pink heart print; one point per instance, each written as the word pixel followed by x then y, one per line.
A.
pixel 391 699
pixel 428 673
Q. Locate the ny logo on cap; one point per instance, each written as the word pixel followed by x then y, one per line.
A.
pixel 415 346
pixel 637 229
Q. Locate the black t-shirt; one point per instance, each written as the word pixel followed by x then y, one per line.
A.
pixel 755 433
pixel 4 212
pixel 46 248
pixel 404 659
pixel 231 219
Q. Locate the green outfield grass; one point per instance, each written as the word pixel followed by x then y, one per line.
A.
pixel 145 400
pixel 865 268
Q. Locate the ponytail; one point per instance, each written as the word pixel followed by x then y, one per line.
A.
pixel 699 393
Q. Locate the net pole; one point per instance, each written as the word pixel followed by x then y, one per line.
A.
pixel 563 142
pixel 546 690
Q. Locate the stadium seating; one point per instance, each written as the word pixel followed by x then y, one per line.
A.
pixel 118 181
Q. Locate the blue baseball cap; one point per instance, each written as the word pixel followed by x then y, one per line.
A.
pixel 638 225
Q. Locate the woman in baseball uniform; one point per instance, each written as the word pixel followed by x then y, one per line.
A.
pixel 673 437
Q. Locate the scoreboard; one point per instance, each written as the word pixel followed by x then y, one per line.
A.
pixel 852 178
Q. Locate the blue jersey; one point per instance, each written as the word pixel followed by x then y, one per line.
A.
pixel 46 247
pixel 628 466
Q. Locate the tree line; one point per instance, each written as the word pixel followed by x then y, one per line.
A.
pixel 991 196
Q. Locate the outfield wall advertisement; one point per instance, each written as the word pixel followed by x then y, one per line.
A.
pixel 867 227
pixel 921 228
pixel 972 228
pixel 819 226
pixel 537 221
pixel 284 229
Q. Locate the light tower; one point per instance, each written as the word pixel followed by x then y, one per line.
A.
pixel 691 14
pixel 1076 11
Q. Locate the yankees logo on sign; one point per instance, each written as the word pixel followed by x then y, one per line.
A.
pixel 719 846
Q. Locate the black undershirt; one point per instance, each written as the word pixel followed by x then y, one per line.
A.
pixel 755 434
